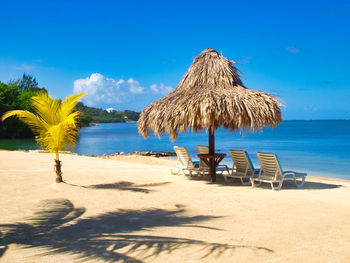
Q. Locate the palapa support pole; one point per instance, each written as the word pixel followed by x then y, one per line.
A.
pixel 212 152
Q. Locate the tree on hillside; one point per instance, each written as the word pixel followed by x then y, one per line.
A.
pixel 54 123
pixel 10 99
pixel 91 114
pixel 27 82
pixel 16 95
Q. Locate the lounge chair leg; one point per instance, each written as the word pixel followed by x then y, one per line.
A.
pixel 245 183
pixel 301 184
pixel 226 177
pixel 229 179
pixel 174 171
pixel 278 187
pixel 252 181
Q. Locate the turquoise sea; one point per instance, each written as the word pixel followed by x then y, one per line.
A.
pixel 318 147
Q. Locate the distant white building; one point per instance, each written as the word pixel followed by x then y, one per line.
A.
pixel 109 110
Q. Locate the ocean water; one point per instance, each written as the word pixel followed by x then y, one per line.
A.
pixel 317 147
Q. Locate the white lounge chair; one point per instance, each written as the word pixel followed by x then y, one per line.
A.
pixel 242 168
pixel 205 150
pixel 184 163
pixel 271 172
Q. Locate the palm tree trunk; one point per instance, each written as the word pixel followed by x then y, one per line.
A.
pixel 58 166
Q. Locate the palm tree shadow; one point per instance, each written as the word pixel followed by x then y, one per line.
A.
pixel 124 186
pixel 110 236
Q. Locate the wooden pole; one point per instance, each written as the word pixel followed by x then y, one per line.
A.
pixel 212 151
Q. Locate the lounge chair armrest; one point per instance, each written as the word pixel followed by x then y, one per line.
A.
pixel 222 167
pixel 293 174
pixel 288 173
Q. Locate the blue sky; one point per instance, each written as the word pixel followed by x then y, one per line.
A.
pixel 127 54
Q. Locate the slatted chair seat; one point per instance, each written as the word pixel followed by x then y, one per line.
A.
pixel 242 167
pixel 271 172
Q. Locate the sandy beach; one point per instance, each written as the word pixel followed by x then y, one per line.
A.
pixel 130 209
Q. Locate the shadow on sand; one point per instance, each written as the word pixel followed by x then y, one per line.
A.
pixel 123 186
pixel 112 236
pixel 286 184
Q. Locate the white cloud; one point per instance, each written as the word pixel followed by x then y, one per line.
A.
pixel 107 92
pixel 134 86
pixel 161 88
pixel 24 67
pixel 99 89
pixel 292 49
pixel 310 108
pixel 243 60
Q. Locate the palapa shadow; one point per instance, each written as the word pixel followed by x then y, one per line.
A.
pixel 287 185
pixel 58 228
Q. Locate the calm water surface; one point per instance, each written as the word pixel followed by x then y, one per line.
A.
pixel 318 147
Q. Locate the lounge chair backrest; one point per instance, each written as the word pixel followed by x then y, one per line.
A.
pixel 202 150
pixel 183 158
pixel 242 162
pixel 270 167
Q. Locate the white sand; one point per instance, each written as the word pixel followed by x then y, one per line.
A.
pixel 130 209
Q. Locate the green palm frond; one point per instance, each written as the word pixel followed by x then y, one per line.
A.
pixel 69 104
pixel 36 124
pixel 46 107
pixel 72 119
pixel 59 137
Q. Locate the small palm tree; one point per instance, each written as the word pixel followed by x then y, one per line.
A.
pixel 54 123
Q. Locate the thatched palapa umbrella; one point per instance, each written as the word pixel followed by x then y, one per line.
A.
pixel 210 95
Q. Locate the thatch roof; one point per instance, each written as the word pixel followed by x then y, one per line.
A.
pixel 210 95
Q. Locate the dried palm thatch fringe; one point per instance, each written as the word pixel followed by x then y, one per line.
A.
pixel 210 95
